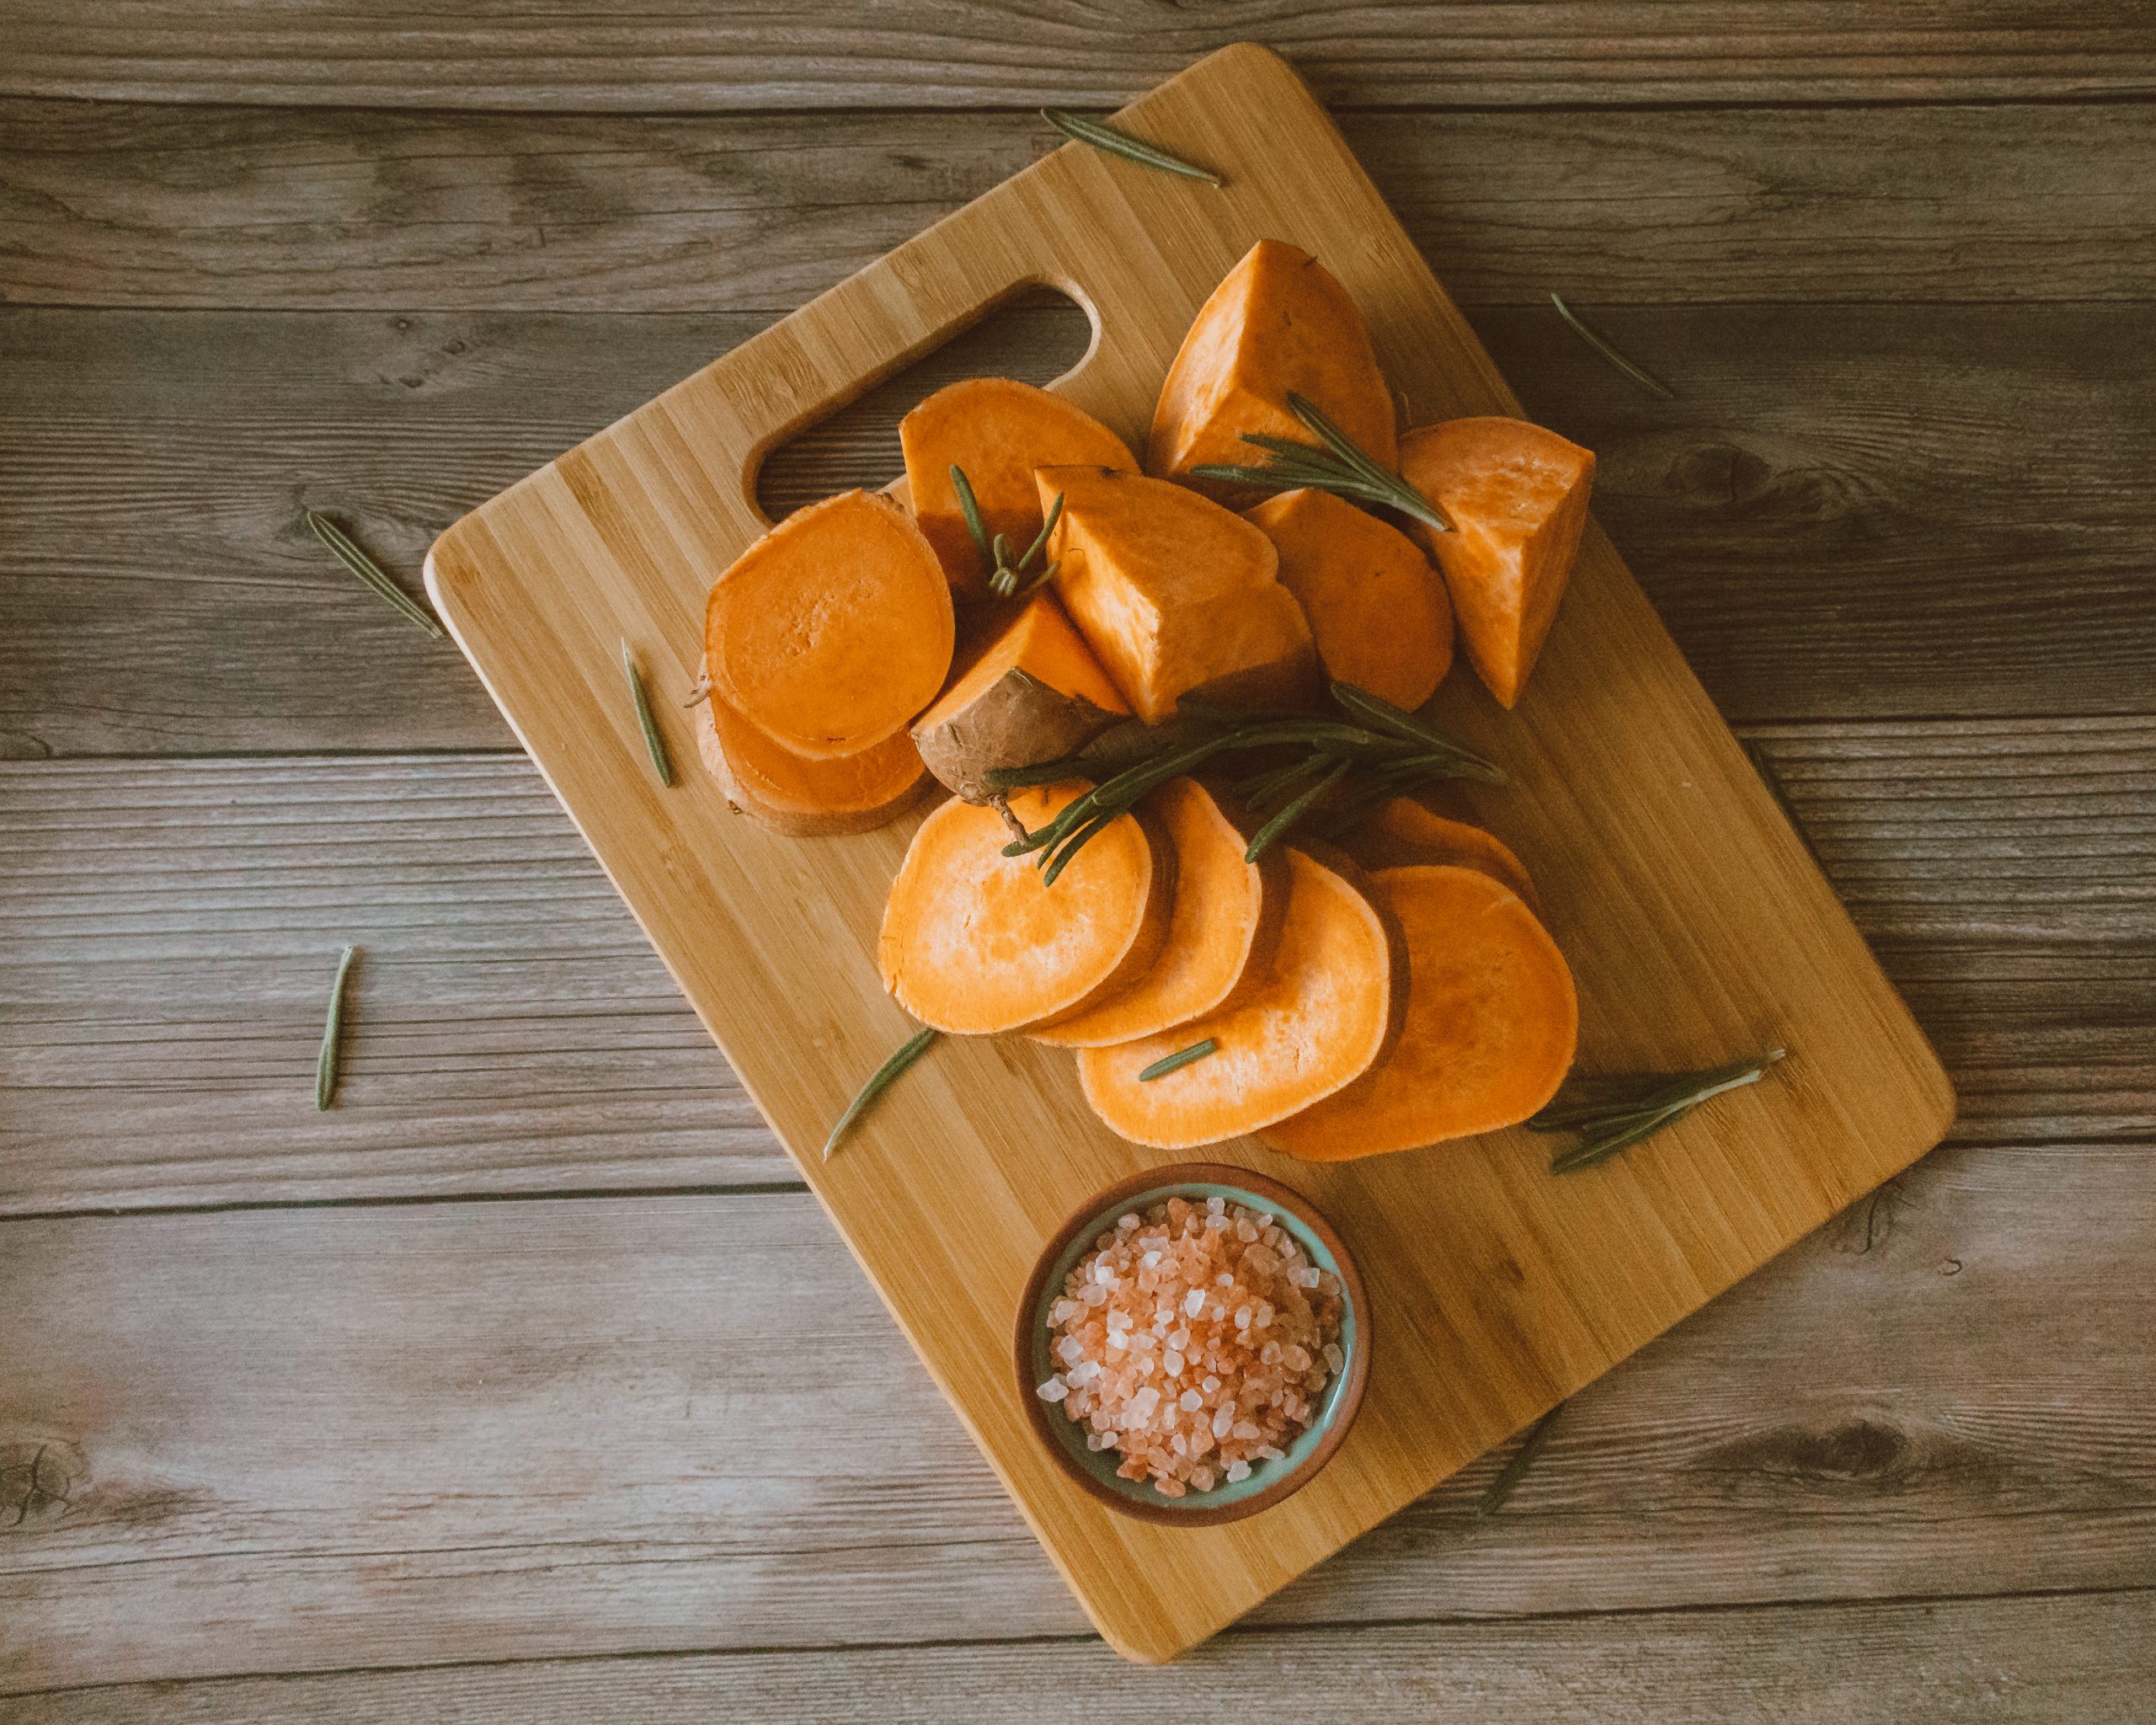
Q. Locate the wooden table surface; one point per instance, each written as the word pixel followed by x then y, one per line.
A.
pixel 529 1383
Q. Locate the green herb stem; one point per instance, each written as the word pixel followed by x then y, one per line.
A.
pixel 881 1080
pixel 1176 1061
pixel 373 575
pixel 331 1058
pixel 660 764
pixel 1609 1116
pixel 1335 463
pixel 1118 142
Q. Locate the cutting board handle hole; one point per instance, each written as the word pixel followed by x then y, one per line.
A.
pixel 1037 336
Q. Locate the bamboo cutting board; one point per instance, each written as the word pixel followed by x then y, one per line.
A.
pixel 1697 925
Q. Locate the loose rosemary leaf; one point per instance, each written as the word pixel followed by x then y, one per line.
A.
pixel 328 1062
pixel 881 1080
pixel 1120 143
pixel 1176 1061
pixel 1646 381
pixel 373 575
pixel 660 764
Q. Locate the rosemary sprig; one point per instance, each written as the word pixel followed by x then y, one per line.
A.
pixel 881 1080
pixel 326 1063
pixel 1611 1115
pixel 652 740
pixel 1004 575
pixel 1281 824
pixel 372 573
pixel 1116 142
pixel 1646 381
pixel 1335 463
pixel 1176 1061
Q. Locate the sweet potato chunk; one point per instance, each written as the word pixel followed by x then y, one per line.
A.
pixel 1175 594
pixel 1279 322
pixel 1517 495
pixel 1034 693
pixel 1377 609
pixel 804 799
pixel 1225 924
pixel 998 431
pixel 1492 1022
pixel 974 943
pixel 1400 831
pixel 1326 1011
pixel 834 629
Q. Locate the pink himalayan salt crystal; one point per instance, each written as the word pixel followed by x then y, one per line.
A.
pixel 1176 1288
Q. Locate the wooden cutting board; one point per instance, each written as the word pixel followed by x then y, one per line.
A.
pixel 1698 926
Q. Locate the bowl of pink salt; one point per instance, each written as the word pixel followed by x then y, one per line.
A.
pixel 1193 1344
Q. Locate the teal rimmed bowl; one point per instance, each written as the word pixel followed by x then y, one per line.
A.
pixel 1269 1481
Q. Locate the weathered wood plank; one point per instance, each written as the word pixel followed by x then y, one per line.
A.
pixel 170 929
pixel 682 56
pixel 288 1440
pixel 347 209
pixel 1841 517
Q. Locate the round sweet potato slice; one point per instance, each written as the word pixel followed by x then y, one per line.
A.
pixel 1401 832
pixel 804 799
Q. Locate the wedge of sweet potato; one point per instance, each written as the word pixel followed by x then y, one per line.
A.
pixel 834 629
pixel 1279 322
pixel 974 943
pixel 804 799
pixel 1401 832
pixel 1517 497
pixel 1175 594
pixel 1221 936
pixel 1491 1023
pixel 1377 609
pixel 1327 1009
pixel 1034 692
pixel 998 431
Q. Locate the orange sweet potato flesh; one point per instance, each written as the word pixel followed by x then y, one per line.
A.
pixel 1279 322
pixel 1378 610
pixel 998 431
pixel 1225 924
pixel 974 943
pixel 1401 832
pixel 1326 1009
pixel 1492 1023
pixel 804 799
pixel 1175 594
pixel 834 629
pixel 1035 692
pixel 1517 496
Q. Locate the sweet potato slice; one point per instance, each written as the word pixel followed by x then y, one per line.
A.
pixel 998 431
pixel 974 943
pixel 804 798
pixel 834 629
pixel 1491 1023
pixel 1517 496
pixel 1279 322
pixel 1400 831
pixel 1034 693
pixel 1225 924
pixel 1378 610
pixel 1175 594
pixel 1327 1010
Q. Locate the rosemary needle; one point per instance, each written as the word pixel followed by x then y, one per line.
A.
pixel 1608 1123
pixel 1653 385
pixel 1120 143
pixel 368 570
pixel 332 1028
pixel 881 1080
pixel 1178 1060
pixel 652 740
pixel 1515 1468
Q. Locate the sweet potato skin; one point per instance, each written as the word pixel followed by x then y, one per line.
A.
pixel 998 430
pixel 1279 322
pixel 1401 832
pixel 802 798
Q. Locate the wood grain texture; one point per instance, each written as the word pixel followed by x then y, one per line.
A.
pixel 1839 518
pixel 360 210
pixel 170 927
pixel 295 1440
pixel 677 55
pixel 1695 924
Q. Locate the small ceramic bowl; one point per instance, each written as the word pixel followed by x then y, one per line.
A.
pixel 1269 1481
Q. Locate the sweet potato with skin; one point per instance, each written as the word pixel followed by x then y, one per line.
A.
pixel 834 629
pixel 1377 609
pixel 1278 322
pixel 1175 594
pixel 1225 924
pixel 998 431
pixel 1517 495
pixel 804 799
pixel 974 943
pixel 1400 831
pixel 1326 1009
pixel 1492 1020
pixel 1034 692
